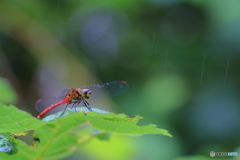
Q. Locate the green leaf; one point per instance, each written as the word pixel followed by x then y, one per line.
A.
pixel 112 123
pixel 13 120
pixel 55 142
pixel 70 111
pixel 61 136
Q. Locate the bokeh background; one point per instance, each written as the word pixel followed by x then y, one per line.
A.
pixel 180 57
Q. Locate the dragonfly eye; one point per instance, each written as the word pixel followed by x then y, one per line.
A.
pixel 87 93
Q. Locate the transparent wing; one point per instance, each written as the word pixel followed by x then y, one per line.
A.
pixel 110 89
pixel 44 103
pixel 65 91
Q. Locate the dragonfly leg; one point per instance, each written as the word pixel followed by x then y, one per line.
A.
pixel 75 105
pixel 86 104
pixel 64 110
pixel 89 108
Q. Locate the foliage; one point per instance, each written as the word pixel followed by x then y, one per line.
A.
pixel 6 143
pixel 180 57
pixel 57 137
pixel 7 94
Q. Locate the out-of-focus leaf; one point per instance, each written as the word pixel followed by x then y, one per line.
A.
pixel 7 94
pixel 199 157
pixel 119 147
pixel 101 135
pixel 7 143
pixel 24 152
pixel 169 92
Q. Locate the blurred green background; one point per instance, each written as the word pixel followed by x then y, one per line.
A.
pixel 180 57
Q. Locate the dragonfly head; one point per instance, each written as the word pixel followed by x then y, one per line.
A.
pixel 87 93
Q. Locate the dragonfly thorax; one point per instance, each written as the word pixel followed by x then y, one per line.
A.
pixel 75 95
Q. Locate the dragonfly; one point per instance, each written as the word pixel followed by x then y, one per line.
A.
pixel 75 96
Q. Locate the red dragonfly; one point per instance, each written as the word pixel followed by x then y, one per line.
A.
pixel 76 96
